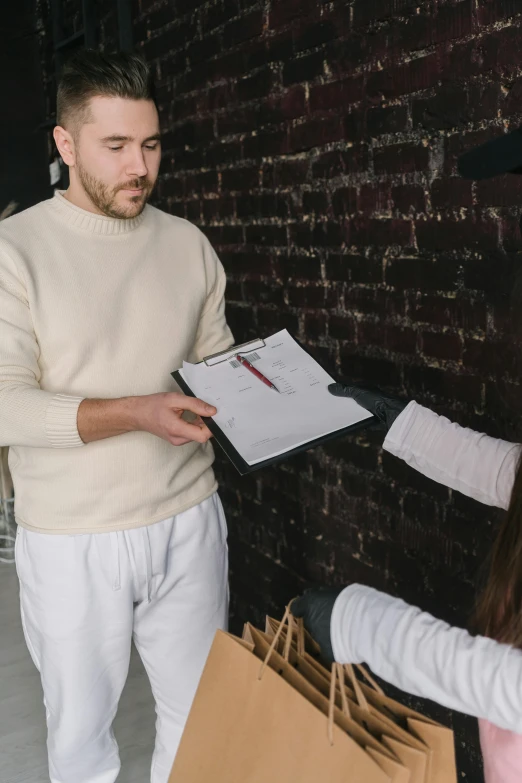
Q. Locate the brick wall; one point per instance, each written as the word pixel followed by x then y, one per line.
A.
pixel 315 143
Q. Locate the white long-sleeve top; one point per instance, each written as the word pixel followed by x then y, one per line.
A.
pixel 407 647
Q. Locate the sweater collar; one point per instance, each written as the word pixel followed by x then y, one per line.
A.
pixel 89 221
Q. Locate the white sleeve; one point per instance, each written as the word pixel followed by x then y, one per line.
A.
pixel 427 657
pixel 475 464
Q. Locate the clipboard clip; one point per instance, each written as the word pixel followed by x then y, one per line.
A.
pixel 223 356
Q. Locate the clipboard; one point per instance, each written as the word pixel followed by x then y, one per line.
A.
pixel 223 441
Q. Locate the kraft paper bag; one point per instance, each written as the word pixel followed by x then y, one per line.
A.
pixel 344 713
pixel 438 739
pixel 409 751
pixel 248 724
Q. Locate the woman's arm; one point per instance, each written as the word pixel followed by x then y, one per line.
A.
pixel 416 652
pixel 470 462
pixel 427 657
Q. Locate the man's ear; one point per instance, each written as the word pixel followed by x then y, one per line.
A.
pixel 65 145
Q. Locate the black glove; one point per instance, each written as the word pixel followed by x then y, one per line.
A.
pixel 383 406
pixel 315 607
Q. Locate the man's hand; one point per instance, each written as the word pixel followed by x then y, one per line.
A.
pixel 315 606
pixel 160 414
pixel 383 406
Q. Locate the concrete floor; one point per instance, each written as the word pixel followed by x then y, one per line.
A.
pixel 22 719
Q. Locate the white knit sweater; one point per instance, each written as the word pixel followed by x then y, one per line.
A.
pixel 92 306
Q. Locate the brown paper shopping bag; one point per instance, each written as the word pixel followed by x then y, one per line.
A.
pixel 411 752
pixel 438 739
pixel 250 725
pixel 334 702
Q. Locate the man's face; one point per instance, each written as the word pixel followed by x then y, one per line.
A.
pixel 118 155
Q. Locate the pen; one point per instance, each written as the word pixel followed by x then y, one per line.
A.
pixel 246 364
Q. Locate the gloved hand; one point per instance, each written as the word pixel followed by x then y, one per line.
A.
pixel 315 607
pixel 383 406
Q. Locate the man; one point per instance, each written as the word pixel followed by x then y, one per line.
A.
pixel 121 534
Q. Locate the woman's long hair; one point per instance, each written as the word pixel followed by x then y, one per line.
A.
pixel 499 607
pixel 498 612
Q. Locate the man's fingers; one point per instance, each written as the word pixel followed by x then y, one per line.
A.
pixel 193 404
pixel 193 432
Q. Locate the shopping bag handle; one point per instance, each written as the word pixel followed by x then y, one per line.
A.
pixel 277 636
pixel 359 695
pixel 368 677
pixel 337 674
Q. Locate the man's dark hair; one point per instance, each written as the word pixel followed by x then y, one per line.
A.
pixel 91 73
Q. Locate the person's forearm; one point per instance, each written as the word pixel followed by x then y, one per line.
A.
pixel 425 656
pixel 99 419
pixel 475 464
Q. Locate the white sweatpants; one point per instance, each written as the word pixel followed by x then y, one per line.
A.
pixel 85 597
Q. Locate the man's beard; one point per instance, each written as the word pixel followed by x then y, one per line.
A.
pixel 104 198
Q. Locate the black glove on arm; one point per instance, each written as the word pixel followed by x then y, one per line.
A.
pixel 383 406
pixel 315 606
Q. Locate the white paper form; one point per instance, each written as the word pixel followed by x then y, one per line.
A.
pixel 259 422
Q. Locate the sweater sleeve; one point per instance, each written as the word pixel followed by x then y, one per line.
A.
pixel 29 416
pixel 213 334
pixel 427 657
pixel 473 463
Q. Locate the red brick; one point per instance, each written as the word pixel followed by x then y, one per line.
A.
pixel 453 21
pixel 315 325
pixel 503 191
pixel 422 274
pixel 316 202
pixel 332 164
pixel 301 267
pixel 283 11
pixel 344 201
pixel 374 301
pixel 451 192
pixel 334 95
pixel 447 234
pixel 240 263
pixel 319 234
pixel 266 235
pixel 401 339
pixel 288 105
pixel 442 345
pixel 373 198
pixel 289 173
pixel 370 331
pixel 491 11
pixel 400 158
pixel 458 312
pixel 392 119
pixel 312 33
pixel 418 74
pixel 311 296
pixel 255 86
pixel 243 178
pixel 430 383
pixel 248 26
pixel 379 232
pixel 341 327
pixel 492 357
pixel 315 133
pixel 366 12
pixel 303 69
pixel 354 268
pixel 408 198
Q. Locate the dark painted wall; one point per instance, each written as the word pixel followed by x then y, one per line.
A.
pixel 24 173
